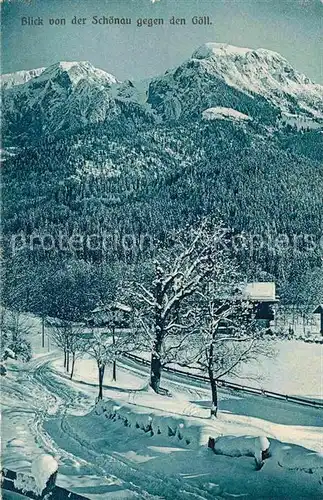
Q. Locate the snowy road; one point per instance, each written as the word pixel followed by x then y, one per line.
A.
pixel 44 411
pixel 27 400
pixel 33 396
pixel 280 412
pixel 35 404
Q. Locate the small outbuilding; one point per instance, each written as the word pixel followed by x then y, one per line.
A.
pixel 113 312
pixel 319 310
pixel 263 295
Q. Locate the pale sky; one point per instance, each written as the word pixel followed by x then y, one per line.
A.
pixel 291 27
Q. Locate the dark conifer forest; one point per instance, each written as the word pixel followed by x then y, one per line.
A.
pixel 120 180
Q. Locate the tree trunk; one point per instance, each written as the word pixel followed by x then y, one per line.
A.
pixel 214 391
pixel 101 375
pixel 114 371
pixel 43 332
pixel 16 328
pixel 155 372
pixel 155 365
pixel 68 361
pixel 73 365
pixel 114 365
pixel 64 358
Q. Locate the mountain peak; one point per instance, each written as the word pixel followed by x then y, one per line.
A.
pixel 252 67
pixel 263 72
pixel 65 96
pixel 256 82
pixel 76 71
pixel 68 65
pixel 213 49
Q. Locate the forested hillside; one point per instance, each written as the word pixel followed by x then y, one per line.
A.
pixel 96 174
pixel 138 181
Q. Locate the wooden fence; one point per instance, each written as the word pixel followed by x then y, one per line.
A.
pixel 232 385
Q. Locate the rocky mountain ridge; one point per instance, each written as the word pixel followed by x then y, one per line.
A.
pixel 70 95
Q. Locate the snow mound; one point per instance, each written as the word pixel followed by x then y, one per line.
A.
pixel 182 429
pixel 287 456
pixel 294 457
pixel 233 446
pixel 42 468
pixel 221 113
pixel 241 446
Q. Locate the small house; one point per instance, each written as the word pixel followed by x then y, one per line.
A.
pixel 116 312
pixel 263 295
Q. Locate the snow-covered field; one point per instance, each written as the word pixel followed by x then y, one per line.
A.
pixel 296 369
pixel 105 453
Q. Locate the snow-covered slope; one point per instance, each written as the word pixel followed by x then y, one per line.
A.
pixel 19 77
pixel 251 81
pixel 64 96
pixel 259 84
pixel 263 72
pixel 221 113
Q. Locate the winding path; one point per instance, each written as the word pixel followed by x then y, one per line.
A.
pixel 42 409
pixel 37 404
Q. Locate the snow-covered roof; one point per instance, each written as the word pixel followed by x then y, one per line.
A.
pixel 112 306
pixel 261 291
pixel 319 309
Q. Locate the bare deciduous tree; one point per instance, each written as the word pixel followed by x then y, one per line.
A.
pixel 227 333
pixel 68 337
pixel 104 350
pixel 163 304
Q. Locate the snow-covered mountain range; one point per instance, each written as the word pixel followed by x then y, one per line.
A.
pixel 68 95
pixel 244 79
pixel 105 157
pixel 64 96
